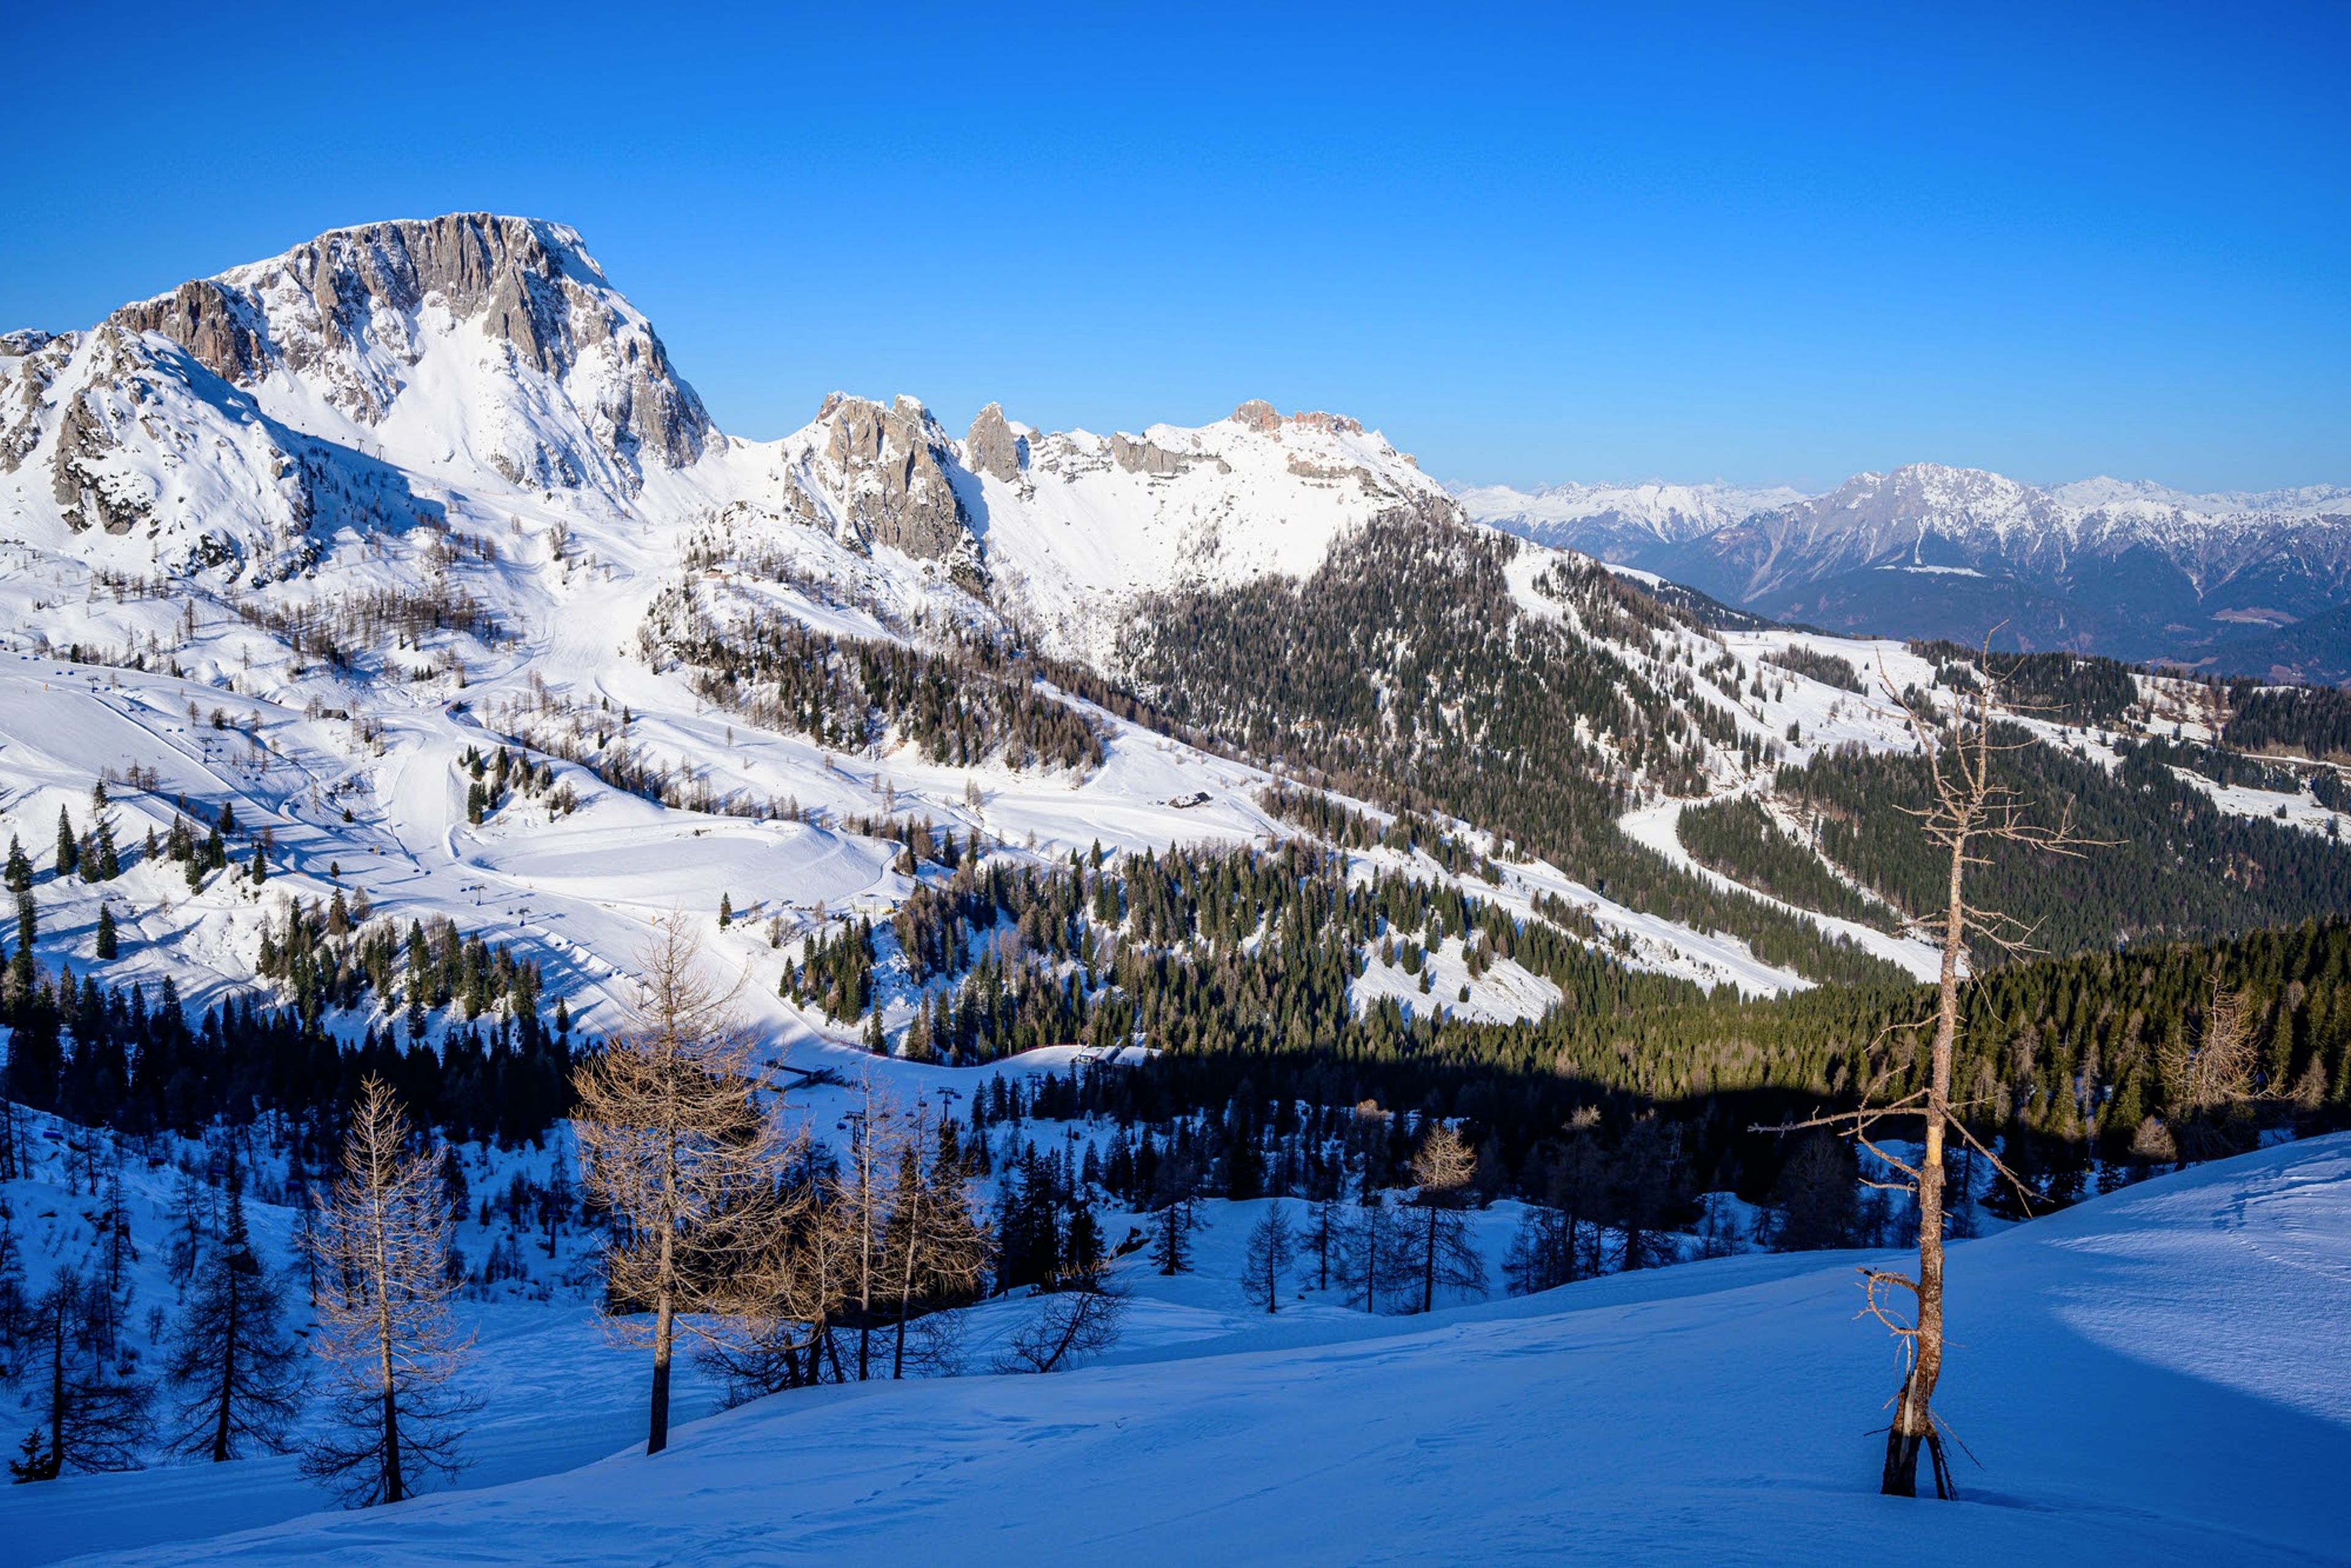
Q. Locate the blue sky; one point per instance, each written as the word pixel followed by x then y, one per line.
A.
pixel 1695 243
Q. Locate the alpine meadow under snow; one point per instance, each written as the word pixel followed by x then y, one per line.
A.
pixel 1180 993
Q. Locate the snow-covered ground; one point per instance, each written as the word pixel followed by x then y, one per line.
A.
pixel 2141 1379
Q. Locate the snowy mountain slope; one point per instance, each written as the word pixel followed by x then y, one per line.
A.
pixel 457 344
pixel 1058 530
pixel 2130 1374
pixel 419 490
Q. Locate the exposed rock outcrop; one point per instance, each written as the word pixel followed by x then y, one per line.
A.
pixel 994 447
pixel 892 469
pixel 29 362
pixel 1146 457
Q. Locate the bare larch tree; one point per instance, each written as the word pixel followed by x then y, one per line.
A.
pixel 1272 1248
pixel 385 1329
pixel 1969 815
pixel 681 1149
pixel 1442 1171
pixel 936 1248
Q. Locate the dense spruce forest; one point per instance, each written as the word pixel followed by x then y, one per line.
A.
pixel 2069 688
pixel 2314 721
pixel 2171 864
pixel 1238 964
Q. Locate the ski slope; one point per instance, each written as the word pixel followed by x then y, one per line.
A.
pixel 2136 1379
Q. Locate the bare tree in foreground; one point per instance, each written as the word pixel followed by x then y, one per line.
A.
pixel 384 1325
pixel 1969 814
pixel 679 1147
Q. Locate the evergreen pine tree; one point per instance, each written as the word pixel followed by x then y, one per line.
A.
pixel 68 846
pixel 106 941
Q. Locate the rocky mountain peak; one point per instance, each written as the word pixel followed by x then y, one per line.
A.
pixel 354 312
pixel 994 447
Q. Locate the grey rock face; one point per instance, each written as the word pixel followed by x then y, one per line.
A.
pixel 30 363
pixel 893 465
pixel 993 449
pixel 529 284
pixel 1145 458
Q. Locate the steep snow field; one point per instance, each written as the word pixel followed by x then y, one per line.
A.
pixel 2142 1378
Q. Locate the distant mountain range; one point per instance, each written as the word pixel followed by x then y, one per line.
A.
pixel 2246 583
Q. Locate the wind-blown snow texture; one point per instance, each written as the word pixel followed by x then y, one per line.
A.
pixel 2142 1378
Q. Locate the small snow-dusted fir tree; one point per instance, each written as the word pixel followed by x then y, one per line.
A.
pixel 237 1373
pixel 392 1349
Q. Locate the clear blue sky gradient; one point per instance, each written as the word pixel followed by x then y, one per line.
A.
pixel 1697 243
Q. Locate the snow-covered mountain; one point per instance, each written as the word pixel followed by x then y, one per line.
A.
pixel 419 490
pixel 306 537
pixel 2131 570
pixel 1616 522
pixel 1055 529
pixel 375 376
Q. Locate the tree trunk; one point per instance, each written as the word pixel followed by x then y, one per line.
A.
pixel 906 1281
pixel 1428 1267
pixel 1914 1420
pixel 228 1378
pixel 57 1392
pixel 394 1489
pixel 665 1333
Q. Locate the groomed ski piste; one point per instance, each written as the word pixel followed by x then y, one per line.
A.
pixel 2145 1377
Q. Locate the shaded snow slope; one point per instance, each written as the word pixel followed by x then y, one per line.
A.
pixel 2138 1379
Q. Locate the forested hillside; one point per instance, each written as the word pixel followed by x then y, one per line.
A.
pixel 2166 863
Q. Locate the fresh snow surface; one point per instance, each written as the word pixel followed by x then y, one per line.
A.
pixel 2137 1379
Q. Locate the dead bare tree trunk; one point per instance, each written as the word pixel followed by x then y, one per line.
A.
pixel 1969 814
